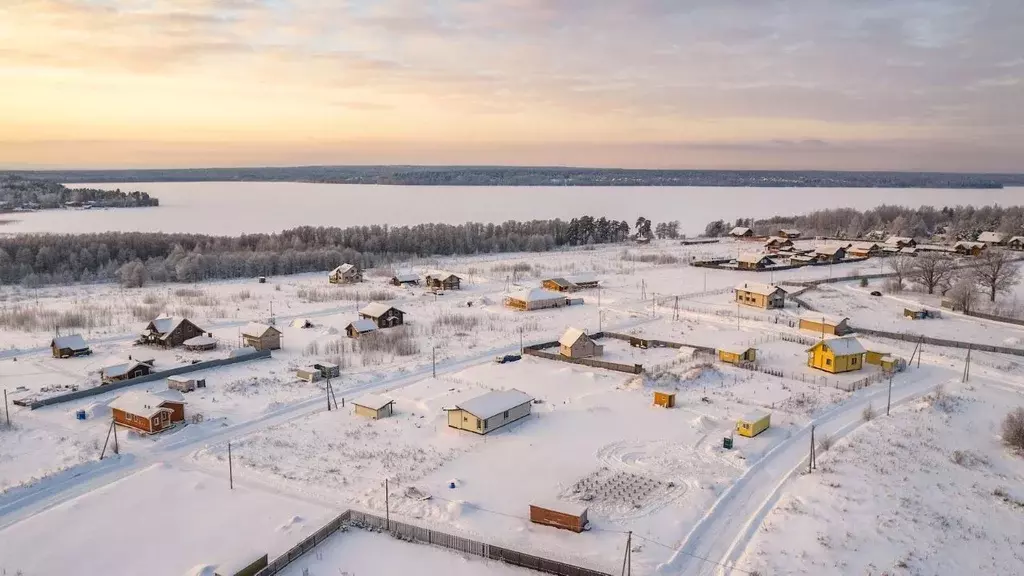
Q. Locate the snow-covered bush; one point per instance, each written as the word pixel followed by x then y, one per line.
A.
pixel 1013 429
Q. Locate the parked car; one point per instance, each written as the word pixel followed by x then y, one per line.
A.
pixel 876 293
pixel 507 358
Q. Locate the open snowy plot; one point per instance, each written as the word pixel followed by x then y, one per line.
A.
pixel 161 521
pixel 929 490
pixel 354 551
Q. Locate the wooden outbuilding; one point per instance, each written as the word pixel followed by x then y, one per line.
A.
pixel 558 285
pixel 69 346
pixel 737 354
pixel 308 373
pixel 535 299
pixel 576 344
pixel 584 281
pixel 125 371
pixel 146 413
pixel 741 232
pixel 345 274
pixel 405 279
pixel 825 324
pixel 261 336
pixel 491 411
pixel 373 406
pixel 752 261
pixel 664 399
pixel 1015 243
pixel 778 243
pixel 360 327
pixel 836 355
pixel 562 515
pixel 200 343
pixel 758 295
pixel 383 315
pixel 170 331
pixel 328 370
pixel 753 424
pixel 443 281
pixel 790 233
pixel 181 383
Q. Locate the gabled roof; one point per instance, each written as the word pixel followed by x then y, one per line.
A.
pixel 751 258
pixel 140 403
pixel 72 341
pixel 362 326
pixel 740 231
pixel 121 369
pixel 376 309
pixel 845 346
pixel 898 240
pixel 829 250
pixel 442 275
pixel 759 288
pixel 585 278
pixel 494 403
pixel 735 348
pixel 1016 240
pixel 865 246
pixel 536 295
pixel 560 282
pixel 257 330
pixel 165 324
pixel 406 277
pixel 571 336
pixel 790 231
pixel 967 244
pixel 343 269
pixel 994 237
pixel 777 240
pixel 826 318
pixel 908 250
pixel 372 401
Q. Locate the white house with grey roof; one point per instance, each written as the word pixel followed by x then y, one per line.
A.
pixel 488 412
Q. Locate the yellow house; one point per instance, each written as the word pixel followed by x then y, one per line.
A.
pixel 825 324
pixel 874 357
pixel 837 355
pixel 737 354
pixel 758 295
pixel 753 424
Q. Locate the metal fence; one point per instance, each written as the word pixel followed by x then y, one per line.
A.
pixel 412 533
pixel 907 337
pixel 104 388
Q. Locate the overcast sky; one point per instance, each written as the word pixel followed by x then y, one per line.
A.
pixel 844 84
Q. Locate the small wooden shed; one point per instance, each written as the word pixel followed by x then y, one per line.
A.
pixel 373 406
pixel 664 399
pixel 753 424
pixel 308 373
pixel 360 327
pixel 564 515
pixel 825 324
pixel 737 354
pixel 181 383
pixel 69 346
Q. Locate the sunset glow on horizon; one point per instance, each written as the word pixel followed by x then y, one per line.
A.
pixel 888 85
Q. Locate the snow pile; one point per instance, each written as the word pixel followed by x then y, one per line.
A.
pixel 97 410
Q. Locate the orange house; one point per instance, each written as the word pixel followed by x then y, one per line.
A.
pixel 147 413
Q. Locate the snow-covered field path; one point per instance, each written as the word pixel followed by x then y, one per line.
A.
pixel 718 541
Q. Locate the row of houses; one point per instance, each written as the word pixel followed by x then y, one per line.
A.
pixel 352 274
pixel 746 232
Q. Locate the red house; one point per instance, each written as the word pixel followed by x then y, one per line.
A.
pixel 147 413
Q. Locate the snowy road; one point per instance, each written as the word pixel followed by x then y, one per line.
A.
pixel 719 539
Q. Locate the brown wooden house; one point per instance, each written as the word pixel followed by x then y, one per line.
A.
pixel 69 346
pixel 345 274
pixel 261 337
pixel 576 344
pixel 443 281
pixel 382 315
pixel 125 371
pixel 170 331
pixel 146 413
pixel 405 279
pixel 558 284
pixel 360 327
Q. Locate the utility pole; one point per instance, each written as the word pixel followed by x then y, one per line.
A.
pixel 387 505
pixel 7 409
pixel 811 465
pixel 888 401
pixel 675 309
pixel 231 470
pixel 920 350
pixel 521 339
pixel 433 359
pixel 627 558
pixel 111 430
pixel 967 366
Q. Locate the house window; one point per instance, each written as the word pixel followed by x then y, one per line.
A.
pixel 506 414
pixel 853 360
pixel 828 361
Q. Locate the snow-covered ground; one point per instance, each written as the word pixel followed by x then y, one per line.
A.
pixel 594 436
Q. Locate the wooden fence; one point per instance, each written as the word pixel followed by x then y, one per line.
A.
pixel 104 388
pixel 628 368
pixel 410 532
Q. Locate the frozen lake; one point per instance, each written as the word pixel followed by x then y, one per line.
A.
pixel 231 208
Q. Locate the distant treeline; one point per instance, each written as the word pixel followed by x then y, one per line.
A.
pixel 540 176
pixel 17 192
pixel 138 257
pixel 954 223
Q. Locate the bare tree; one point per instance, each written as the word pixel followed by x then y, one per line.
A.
pixel 931 270
pixel 900 267
pixel 963 295
pixel 996 272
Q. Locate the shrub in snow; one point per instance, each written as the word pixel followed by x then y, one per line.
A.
pixel 1013 429
pixel 868 413
pixel 863 282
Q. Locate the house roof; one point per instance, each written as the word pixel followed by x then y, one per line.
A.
pixel 571 336
pixel 967 244
pixel 570 508
pixel 140 403
pixel 759 288
pixel 845 346
pixel 178 378
pixel 257 330
pixel 115 370
pixel 739 231
pixel 1016 240
pixel 751 258
pixel 789 231
pixel 203 340
pixel 585 278
pixel 362 325
pixel 735 348
pixel 865 246
pixel 826 318
pixel 72 341
pixel 536 295
pixel 755 415
pixel 991 237
pixel 495 402
pixel 166 324
pixel 829 250
pixel 243 351
pixel 406 277
pixel 802 258
pixel 908 250
pixel 777 240
pixel 898 240
pixel 343 269
pixel 372 401
pixel 560 282
pixel 376 309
